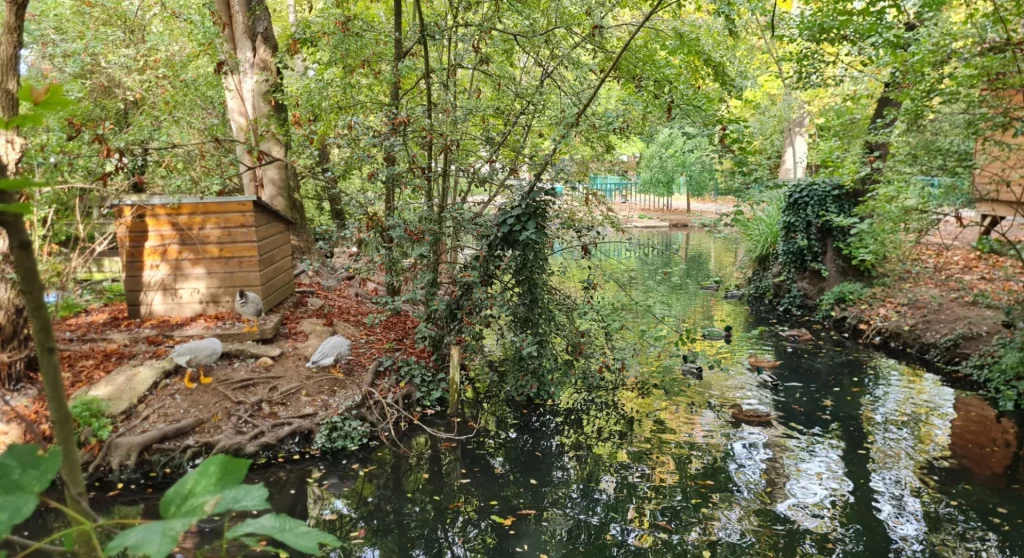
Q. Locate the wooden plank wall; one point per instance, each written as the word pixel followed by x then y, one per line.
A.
pixel 999 178
pixel 192 258
pixel 277 269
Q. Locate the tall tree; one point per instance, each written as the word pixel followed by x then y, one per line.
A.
pixel 15 340
pixel 24 262
pixel 259 120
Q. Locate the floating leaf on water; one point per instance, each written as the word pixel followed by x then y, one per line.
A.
pixel 533 481
pixel 526 512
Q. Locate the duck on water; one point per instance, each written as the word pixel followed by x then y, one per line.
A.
pixel 715 334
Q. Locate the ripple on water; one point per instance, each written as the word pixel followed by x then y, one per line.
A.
pixel 817 488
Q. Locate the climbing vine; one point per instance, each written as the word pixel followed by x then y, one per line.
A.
pixel 815 213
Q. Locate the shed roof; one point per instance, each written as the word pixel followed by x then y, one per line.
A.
pixel 160 199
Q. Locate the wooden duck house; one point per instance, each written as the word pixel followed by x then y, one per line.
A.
pixel 998 182
pixel 188 256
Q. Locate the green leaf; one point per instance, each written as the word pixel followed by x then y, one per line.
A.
pixel 20 207
pixel 290 531
pixel 195 495
pixel 248 497
pixel 24 473
pixel 155 539
pixel 11 184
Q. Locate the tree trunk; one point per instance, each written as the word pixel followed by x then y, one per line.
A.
pixel 331 188
pixel 883 121
pixel 30 283
pixel 15 339
pixel 259 122
pixel 876 149
pixel 391 158
pixel 794 151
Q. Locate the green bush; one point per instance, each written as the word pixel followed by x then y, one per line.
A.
pixel 341 433
pixel 431 386
pixel 113 293
pixel 90 414
pixel 762 229
pixel 1001 369
pixel 843 295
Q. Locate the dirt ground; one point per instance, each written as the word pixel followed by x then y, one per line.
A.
pixel 700 209
pixel 250 405
pixel 944 301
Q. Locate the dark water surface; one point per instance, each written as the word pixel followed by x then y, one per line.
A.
pixel 867 457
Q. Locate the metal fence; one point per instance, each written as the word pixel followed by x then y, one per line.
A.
pixel 619 189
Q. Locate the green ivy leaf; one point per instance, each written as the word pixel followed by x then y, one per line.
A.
pixel 248 497
pixel 196 494
pixel 290 531
pixel 24 473
pixel 155 539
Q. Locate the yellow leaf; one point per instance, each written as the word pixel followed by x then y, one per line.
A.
pixel 786 5
pixel 706 554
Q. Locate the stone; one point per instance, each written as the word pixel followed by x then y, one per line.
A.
pixel 125 386
pixel 269 326
pixel 316 332
pixel 265 362
pixel 315 303
pixel 250 350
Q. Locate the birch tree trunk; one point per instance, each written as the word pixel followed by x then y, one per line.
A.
pixel 794 151
pixel 259 122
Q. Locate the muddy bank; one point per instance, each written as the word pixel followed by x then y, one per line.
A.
pixel 940 307
pixel 262 399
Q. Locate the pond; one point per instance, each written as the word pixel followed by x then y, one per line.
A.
pixel 866 456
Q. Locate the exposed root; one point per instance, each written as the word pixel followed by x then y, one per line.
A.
pixel 126 450
pixel 265 435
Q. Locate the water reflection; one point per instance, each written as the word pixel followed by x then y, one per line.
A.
pixel 981 441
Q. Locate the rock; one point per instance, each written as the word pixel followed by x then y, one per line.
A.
pixel 316 332
pixel 348 330
pixel 315 303
pixel 123 388
pixel 250 350
pixel 269 326
pixel 265 362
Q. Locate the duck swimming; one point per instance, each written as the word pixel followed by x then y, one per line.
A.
pixel 799 335
pixel 733 295
pixel 758 362
pixel 692 370
pixel 751 417
pixel 766 379
pixel 715 334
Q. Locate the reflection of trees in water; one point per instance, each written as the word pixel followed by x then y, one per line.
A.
pixel 981 441
pixel 817 488
pixel 907 416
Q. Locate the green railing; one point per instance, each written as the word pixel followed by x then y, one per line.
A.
pixel 619 189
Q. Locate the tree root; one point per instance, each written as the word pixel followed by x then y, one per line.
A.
pixel 126 450
pixel 264 436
